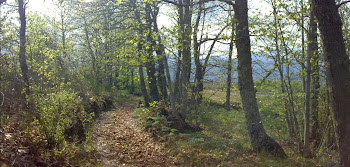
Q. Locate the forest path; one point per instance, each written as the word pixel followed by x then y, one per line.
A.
pixel 120 141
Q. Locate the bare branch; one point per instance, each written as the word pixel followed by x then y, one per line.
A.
pixel 343 3
pixel 229 2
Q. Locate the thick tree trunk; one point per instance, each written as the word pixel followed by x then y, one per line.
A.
pixel 22 48
pixel 311 51
pixel 259 139
pixel 337 67
pixel 151 69
pixel 186 57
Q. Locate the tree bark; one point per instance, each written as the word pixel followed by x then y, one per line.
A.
pixel 151 69
pixel 139 50
pixel 178 81
pixel 258 138
pixel 160 53
pixel 338 71
pixel 315 85
pixel 186 57
pixel 22 49
pixel 229 66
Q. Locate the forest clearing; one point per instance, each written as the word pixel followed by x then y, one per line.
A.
pixel 175 83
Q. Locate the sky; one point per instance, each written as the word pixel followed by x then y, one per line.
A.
pixel 47 7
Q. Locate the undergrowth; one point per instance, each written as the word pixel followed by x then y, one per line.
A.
pixel 56 131
pixel 224 140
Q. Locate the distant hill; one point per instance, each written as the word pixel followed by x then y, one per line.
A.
pixel 217 68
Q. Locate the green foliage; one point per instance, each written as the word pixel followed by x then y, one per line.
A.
pixel 58 112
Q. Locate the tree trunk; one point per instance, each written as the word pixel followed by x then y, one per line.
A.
pixel 337 67
pixel 258 138
pixel 312 52
pixel 229 66
pixel 307 150
pixel 279 62
pixel 151 69
pixel 290 93
pixel 178 81
pixel 139 50
pixel 186 57
pixel 160 53
pixel 196 54
pixel 22 48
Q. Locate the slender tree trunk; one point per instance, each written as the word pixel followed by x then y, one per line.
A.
pixel 162 76
pixel 142 78
pixel 302 46
pixel 139 51
pixel 290 92
pixel 338 70
pixel 258 138
pixel 279 61
pixel 312 53
pixel 229 66
pixel 196 54
pixel 132 80
pixel 22 48
pixel 91 52
pixel 160 53
pixel 178 80
pixel 172 96
pixel 307 151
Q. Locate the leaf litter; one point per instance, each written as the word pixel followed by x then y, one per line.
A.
pixel 120 141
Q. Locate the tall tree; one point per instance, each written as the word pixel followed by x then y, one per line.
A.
pixel 310 52
pixel 229 65
pixel 186 55
pixel 312 71
pixel 258 138
pixel 315 85
pixel 22 42
pixel 337 67
pixel 150 64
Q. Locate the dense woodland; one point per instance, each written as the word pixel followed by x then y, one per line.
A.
pixel 218 82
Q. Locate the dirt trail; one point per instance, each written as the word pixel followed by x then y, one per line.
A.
pixel 120 141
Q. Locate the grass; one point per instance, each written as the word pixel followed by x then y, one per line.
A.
pixel 224 140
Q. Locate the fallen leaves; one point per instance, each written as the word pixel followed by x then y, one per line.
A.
pixel 121 142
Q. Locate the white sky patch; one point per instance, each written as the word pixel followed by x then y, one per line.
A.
pixel 46 7
pixel 163 18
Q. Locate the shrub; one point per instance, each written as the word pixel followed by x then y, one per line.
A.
pixel 62 116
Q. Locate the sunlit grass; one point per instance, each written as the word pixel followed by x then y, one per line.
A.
pixel 224 140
